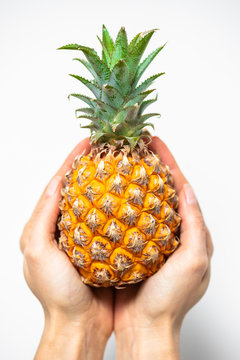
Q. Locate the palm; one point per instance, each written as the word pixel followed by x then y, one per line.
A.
pixel 141 304
pixel 64 289
pixel 81 296
pixel 146 300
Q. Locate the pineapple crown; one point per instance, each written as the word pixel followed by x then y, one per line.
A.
pixel 116 113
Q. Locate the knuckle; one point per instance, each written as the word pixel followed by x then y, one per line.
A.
pixel 211 249
pixel 22 244
pixel 201 265
pixel 190 262
pixel 25 236
pixel 31 253
pixel 197 264
pixel 25 231
pixel 210 246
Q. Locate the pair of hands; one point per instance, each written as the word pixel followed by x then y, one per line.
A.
pixel 146 317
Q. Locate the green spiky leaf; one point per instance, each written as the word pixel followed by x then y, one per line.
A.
pixel 107 40
pixel 94 88
pixel 122 115
pixel 120 50
pixel 69 47
pixel 139 127
pixel 145 117
pixel 105 110
pixel 117 110
pixel 77 47
pixel 146 103
pixel 112 96
pixel 85 110
pixel 98 123
pixel 87 65
pixel 135 56
pixel 141 88
pixel 106 57
pixel 84 98
pixel 97 136
pixel 131 115
pixel 139 98
pixel 100 69
pixel 134 42
pixel 143 66
pixel 119 77
pixel 95 123
pixel 132 140
pixel 105 107
pixel 91 127
pixel 95 120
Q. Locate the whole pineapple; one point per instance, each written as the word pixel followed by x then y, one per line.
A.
pixel 118 210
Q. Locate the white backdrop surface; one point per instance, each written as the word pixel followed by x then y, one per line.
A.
pixel 199 103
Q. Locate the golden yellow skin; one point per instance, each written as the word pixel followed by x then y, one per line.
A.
pixel 118 217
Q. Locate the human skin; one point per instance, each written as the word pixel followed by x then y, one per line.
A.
pixel 78 318
pixel 146 317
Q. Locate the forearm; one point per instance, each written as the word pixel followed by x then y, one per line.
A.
pixel 158 343
pixel 62 340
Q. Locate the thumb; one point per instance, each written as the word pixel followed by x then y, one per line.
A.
pixel 193 229
pixel 46 212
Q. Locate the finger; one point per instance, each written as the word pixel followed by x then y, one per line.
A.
pixel 82 147
pixel 42 224
pixel 205 280
pixel 24 237
pixel 210 247
pixel 47 208
pixel 45 215
pixel 167 158
pixel 193 230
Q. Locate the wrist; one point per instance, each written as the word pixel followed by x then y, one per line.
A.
pixel 65 339
pixel 153 342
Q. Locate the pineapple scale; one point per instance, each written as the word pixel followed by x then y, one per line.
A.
pixel 118 221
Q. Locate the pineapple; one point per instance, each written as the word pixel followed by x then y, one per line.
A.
pixel 118 221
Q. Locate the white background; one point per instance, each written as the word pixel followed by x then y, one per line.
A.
pixel 199 103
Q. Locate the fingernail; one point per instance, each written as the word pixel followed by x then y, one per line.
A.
pixel 52 186
pixel 189 194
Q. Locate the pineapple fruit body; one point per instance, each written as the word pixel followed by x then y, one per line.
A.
pixel 118 210
pixel 118 222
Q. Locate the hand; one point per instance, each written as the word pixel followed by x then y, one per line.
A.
pixel 148 316
pixel 78 319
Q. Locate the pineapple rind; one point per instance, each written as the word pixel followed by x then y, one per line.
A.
pixel 114 237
